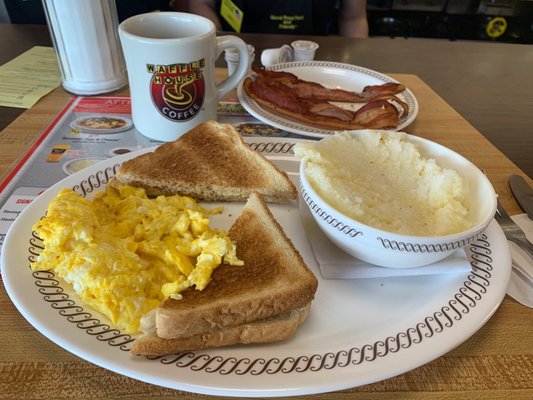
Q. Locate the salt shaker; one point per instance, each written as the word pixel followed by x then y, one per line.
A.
pixel 85 37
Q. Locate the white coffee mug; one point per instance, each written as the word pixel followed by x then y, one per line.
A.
pixel 170 58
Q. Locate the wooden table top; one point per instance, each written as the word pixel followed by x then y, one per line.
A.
pixel 495 363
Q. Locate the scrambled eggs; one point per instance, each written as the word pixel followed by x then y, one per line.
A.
pixel 124 253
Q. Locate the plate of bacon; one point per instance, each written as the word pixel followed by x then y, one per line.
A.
pixel 319 98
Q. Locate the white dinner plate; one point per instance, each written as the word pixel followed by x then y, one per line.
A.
pixel 105 125
pixel 331 75
pixel 358 331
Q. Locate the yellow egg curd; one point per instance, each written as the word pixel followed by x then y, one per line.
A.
pixel 123 253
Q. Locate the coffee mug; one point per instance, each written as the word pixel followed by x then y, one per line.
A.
pixel 170 59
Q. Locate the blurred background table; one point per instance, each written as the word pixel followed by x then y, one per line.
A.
pixel 477 80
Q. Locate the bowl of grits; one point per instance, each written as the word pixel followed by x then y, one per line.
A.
pixel 394 199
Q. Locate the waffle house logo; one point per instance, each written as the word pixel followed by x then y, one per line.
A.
pixel 177 90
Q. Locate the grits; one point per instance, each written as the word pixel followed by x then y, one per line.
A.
pixel 381 180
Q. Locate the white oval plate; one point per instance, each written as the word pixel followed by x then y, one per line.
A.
pixel 332 75
pixel 79 125
pixel 358 331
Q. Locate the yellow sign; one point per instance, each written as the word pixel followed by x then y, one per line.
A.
pixel 232 14
pixel 496 27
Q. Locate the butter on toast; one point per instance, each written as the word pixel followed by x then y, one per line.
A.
pixel 212 163
pixel 273 280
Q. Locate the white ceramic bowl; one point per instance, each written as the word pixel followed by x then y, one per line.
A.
pixel 395 250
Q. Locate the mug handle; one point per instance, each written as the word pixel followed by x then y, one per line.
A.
pixel 230 83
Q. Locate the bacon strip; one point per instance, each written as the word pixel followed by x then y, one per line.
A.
pixel 315 91
pixel 379 114
pixel 284 93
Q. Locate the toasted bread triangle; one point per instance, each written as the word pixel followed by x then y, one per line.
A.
pixel 268 330
pixel 212 163
pixel 273 280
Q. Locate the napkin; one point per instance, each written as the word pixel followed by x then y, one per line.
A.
pixel 521 287
pixel 337 264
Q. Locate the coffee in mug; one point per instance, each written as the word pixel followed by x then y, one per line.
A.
pixel 170 59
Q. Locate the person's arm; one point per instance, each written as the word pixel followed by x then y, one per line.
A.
pixel 205 8
pixel 352 19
